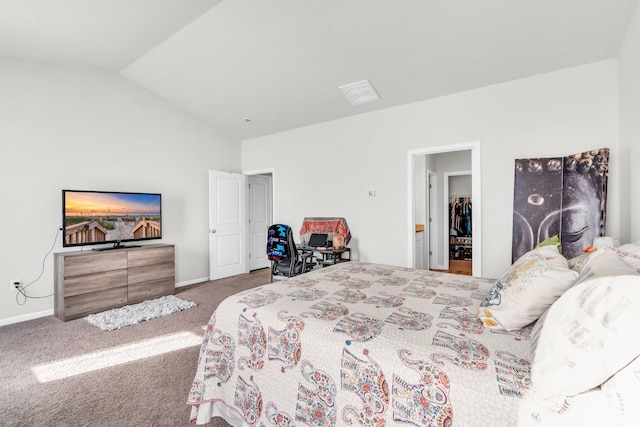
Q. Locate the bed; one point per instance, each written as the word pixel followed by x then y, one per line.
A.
pixel 370 344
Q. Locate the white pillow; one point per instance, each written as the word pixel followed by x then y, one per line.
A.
pixel 623 391
pixel 604 262
pixel 527 289
pixel 630 254
pixel 590 332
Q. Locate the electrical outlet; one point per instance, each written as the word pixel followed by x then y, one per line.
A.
pixel 15 284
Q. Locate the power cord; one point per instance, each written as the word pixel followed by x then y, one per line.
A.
pixel 22 290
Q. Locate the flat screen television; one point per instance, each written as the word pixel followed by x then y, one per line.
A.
pixel 109 217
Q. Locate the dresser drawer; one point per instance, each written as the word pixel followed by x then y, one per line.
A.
pixel 80 265
pixel 83 304
pixel 94 282
pixel 151 273
pixel 151 290
pixel 139 258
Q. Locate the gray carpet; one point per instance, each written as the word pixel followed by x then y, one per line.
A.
pixel 147 392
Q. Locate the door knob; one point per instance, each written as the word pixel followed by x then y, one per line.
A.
pixel 213 231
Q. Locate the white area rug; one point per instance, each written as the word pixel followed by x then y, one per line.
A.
pixel 117 318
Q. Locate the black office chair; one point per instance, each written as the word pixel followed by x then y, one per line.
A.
pixel 284 255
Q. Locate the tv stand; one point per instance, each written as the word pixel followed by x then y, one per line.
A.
pixel 116 245
pixel 91 281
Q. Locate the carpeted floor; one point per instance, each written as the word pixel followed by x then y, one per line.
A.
pixel 147 392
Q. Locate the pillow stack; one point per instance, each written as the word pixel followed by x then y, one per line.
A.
pixel 588 329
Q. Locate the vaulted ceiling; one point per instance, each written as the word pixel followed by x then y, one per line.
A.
pixel 280 62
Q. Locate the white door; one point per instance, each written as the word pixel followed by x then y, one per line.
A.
pixel 260 219
pixel 227 224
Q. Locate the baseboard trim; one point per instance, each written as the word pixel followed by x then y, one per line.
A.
pixel 25 317
pixel 192 282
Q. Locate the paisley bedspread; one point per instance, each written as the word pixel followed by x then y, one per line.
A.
pixel 363 344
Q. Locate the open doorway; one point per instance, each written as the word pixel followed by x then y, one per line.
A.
pixel 459 239
pixel 431 205
pixel 260 218
pixel 260 214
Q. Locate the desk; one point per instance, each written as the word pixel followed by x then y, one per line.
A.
pixel 332 256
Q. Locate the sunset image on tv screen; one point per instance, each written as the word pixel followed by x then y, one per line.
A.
pixel 93 217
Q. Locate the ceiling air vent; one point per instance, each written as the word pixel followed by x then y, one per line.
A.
pixel 360 92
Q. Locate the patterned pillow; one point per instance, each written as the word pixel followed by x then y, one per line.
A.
pixel 623 391
pixel 590 332
pixel 527 289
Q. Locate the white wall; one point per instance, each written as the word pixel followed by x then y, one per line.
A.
pixel 84 129
pixel 460 185
pixel 629 74
pixel 559 113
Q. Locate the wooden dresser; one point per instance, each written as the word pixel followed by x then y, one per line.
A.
pixel 91 281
